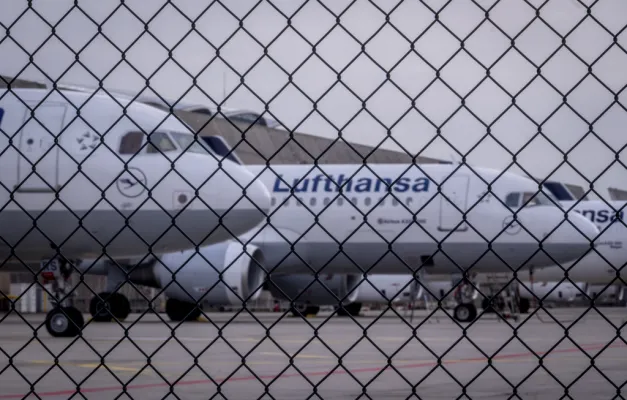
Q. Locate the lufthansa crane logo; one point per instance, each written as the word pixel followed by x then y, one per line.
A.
pixel 511 226
pixel 132 183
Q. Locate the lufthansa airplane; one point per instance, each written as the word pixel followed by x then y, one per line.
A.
pixel 77 167
pixel 605 264
pixel 339 221
pixel 81 178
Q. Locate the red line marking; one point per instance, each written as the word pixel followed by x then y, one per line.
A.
pixel 71 392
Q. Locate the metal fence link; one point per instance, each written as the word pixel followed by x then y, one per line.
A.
pixel 139 200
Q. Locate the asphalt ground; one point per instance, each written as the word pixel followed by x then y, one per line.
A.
pixel 570 353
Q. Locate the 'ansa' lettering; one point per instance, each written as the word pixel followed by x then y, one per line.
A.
pixel 601 216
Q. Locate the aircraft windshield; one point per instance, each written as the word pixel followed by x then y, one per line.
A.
pixel 516 200
pixel 187 143
pixel 220 147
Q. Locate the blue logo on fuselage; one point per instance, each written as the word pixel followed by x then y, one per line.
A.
pixel 601 216
pixel 322 183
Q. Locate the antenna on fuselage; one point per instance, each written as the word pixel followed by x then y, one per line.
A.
pixel 454 160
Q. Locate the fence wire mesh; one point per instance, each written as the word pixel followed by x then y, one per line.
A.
pixel 321 268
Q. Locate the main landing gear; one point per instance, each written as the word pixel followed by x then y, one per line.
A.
pixel 351 309
pixel 178 310
pixel 465 295
pixel 110 305
pixel 64 320
pixel 465 312
pixel 304 310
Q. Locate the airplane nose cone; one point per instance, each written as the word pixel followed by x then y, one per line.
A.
pixel 258 194
pixel 570 237
pixel 246 199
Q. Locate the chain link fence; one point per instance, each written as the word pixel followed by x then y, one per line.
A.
pixel 360 199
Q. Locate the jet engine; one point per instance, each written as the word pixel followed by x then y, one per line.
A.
pixel 227 273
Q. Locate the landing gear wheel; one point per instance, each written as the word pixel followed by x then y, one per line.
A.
pixel 179 311
pixel 305 311
pixel 112 305
pixel 465 312
pixel 351 309
pixel 64 322
pixel 524 305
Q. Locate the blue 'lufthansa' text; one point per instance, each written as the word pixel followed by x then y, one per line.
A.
pixel 321 183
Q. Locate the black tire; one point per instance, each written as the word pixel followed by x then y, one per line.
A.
pixel 64 322
pixel 179 311
pixel 305 311
pixel 351 309
pixel 465 312
pixel 524 305
pixel 112 305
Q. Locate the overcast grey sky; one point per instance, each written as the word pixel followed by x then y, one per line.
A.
pixel 290 53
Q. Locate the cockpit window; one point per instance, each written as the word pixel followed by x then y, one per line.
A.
pixel 160 142
pixel 221 148
pixel 513 200
pixel 559 190
pixel 187 143
pixel 536 199
pixel 516 200
pixel 131 143
pixel 527 198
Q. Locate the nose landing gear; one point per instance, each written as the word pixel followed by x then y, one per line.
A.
pixel 64 320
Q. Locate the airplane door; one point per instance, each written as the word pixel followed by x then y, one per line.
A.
pixel 36 144
pixel 456 191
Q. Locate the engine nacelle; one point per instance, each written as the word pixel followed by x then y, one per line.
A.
pixel 551 291
pixel 382 289
pixel 197 274
pixel 324 291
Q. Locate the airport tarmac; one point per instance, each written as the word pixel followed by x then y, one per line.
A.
pixel 271 356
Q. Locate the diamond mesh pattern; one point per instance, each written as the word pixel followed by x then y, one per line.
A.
pixel 404 77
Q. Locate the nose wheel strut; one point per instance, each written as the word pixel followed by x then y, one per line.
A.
pixel 64 320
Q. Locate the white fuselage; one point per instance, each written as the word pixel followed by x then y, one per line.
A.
pixel 90 184
pixel 382 289
pixel 363 228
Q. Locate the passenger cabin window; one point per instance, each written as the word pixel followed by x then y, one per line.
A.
pixel 131 143
pixel 160 142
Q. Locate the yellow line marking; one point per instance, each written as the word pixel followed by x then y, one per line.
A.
pixel 316 360
pixel 112 368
